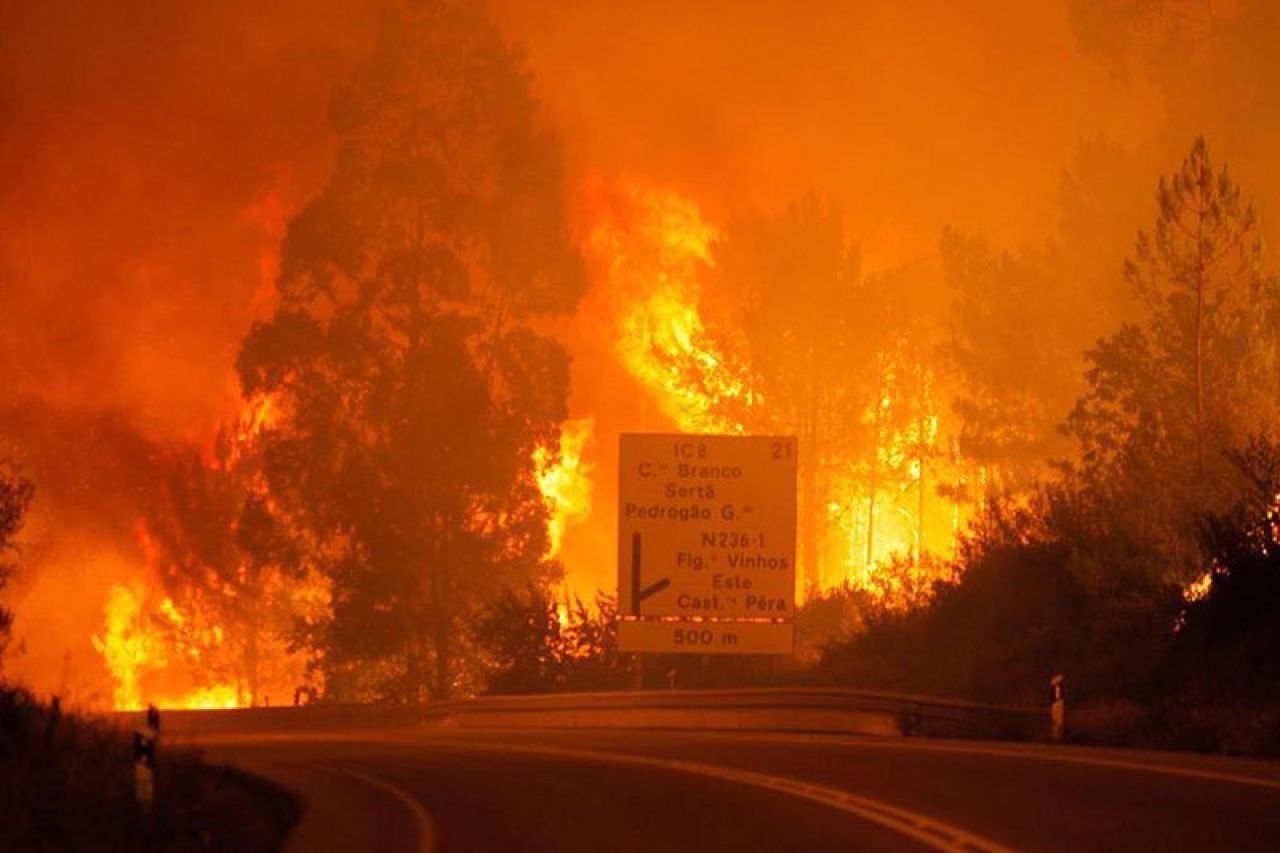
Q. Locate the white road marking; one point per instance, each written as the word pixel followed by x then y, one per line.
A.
pixel 422 820
pixel 1050 754
pixel 927 830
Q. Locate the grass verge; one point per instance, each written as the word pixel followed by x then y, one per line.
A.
pixel 67 783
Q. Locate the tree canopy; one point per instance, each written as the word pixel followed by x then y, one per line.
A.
pixel 16 493
pixel 413 386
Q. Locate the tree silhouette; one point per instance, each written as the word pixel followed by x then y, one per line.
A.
pixel 16 493
pixel 790 288
pixel 413 387
pixel 1169 396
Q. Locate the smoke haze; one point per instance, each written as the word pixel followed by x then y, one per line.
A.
pixel 152 158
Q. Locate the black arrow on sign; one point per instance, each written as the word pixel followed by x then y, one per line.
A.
pixel 637 594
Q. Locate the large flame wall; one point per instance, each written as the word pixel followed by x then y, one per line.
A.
pixel 152 160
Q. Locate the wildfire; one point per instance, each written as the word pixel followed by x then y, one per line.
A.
pixel 565 480
pixel 875 497
pixel 135 649
pixel 256 416
pixel 212 646
pixel 1198 589
pixel 652 247
pixel 124 647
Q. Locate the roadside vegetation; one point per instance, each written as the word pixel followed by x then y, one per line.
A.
pixel 1144 564
pixel 67 780
pixel 67 783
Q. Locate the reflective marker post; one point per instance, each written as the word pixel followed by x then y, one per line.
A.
pixel 1057 707
pixel 145 742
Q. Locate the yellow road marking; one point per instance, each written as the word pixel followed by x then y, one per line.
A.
pixel 1050 754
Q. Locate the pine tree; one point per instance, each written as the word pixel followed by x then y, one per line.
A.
pixel 1170 396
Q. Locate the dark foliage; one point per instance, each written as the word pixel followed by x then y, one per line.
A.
pixel 1034 600
pixel 16 493
pixel 414 386
pixel 1226 646
pixel 66 783
pixel 535 647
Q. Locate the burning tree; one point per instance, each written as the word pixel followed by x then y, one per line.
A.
pixel 414 390
pixel 235 583
pixel 792 288
pixel 840 359
pixel 774 328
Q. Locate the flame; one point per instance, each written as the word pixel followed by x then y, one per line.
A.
pixel 565 480
pixel 652 247
pixel 125 648
pixel 1198 589
pixel 217 697
pixel 256 416
pixel 135 650
pixel 177 654
pixel 651 250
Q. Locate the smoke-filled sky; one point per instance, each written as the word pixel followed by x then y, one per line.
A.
pixel 150 158
pixel 911 115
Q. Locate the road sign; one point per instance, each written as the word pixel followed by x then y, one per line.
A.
pixel 706 531
pixel 721 637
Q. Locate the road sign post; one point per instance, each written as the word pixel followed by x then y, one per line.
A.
pixel 706 544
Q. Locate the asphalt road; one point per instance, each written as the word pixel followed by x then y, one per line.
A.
pixel 624 790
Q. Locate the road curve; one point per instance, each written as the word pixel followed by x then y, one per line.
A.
pixel 418 789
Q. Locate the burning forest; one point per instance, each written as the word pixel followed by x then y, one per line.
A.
pixel 319 332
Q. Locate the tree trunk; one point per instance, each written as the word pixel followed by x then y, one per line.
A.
pixel 808 473
pixel 919 543
pixel 809 523
pixel 871 530
pixel 251 654
pixel 1199 346
pixel 442 683
pixel 444 659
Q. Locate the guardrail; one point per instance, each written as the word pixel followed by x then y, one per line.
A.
pixel 817 710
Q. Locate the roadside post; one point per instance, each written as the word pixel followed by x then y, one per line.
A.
pixel 1057 707
pixel 146 740
pixel 706 544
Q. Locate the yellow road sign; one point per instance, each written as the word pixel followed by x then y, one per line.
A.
pixel 733 637
pixel 706 526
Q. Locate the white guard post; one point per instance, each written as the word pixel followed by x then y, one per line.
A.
pixel 1057 707
pixel 146 740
